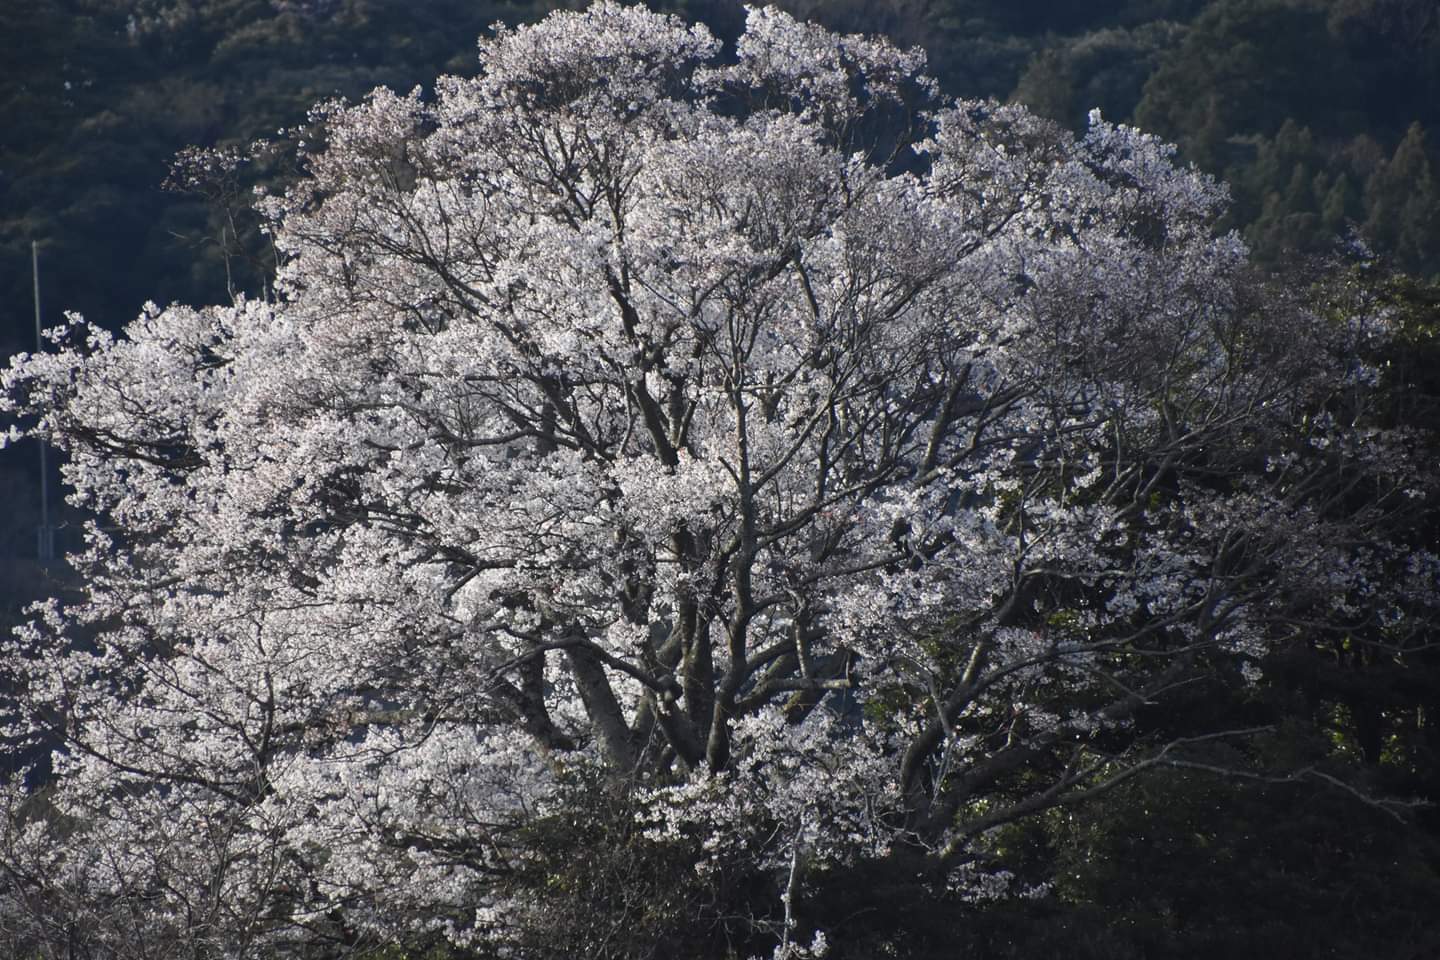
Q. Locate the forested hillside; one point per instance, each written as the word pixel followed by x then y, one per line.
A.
pixel 1312 835
pixel 1316 112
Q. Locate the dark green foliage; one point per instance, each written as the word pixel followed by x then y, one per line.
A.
pixel 1402 202
pixel 1182 865
pixel 81 165
pixel 105 92
pixel 1176 865
pixel 1308 107
pixel 1245 66
pixel 1300 105
pixel 1106 69
pixel 596 886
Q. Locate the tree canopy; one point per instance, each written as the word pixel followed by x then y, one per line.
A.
pixel 730 475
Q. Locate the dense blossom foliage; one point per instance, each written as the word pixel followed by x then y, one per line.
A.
pixel 831 469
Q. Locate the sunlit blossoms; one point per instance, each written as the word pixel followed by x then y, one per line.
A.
pixel 824 473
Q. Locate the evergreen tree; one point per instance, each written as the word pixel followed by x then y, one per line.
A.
pixel 1402 203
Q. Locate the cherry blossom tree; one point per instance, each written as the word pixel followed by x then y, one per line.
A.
pixel 827 472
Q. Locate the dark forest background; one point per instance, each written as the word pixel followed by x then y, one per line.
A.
pixel 1322 115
